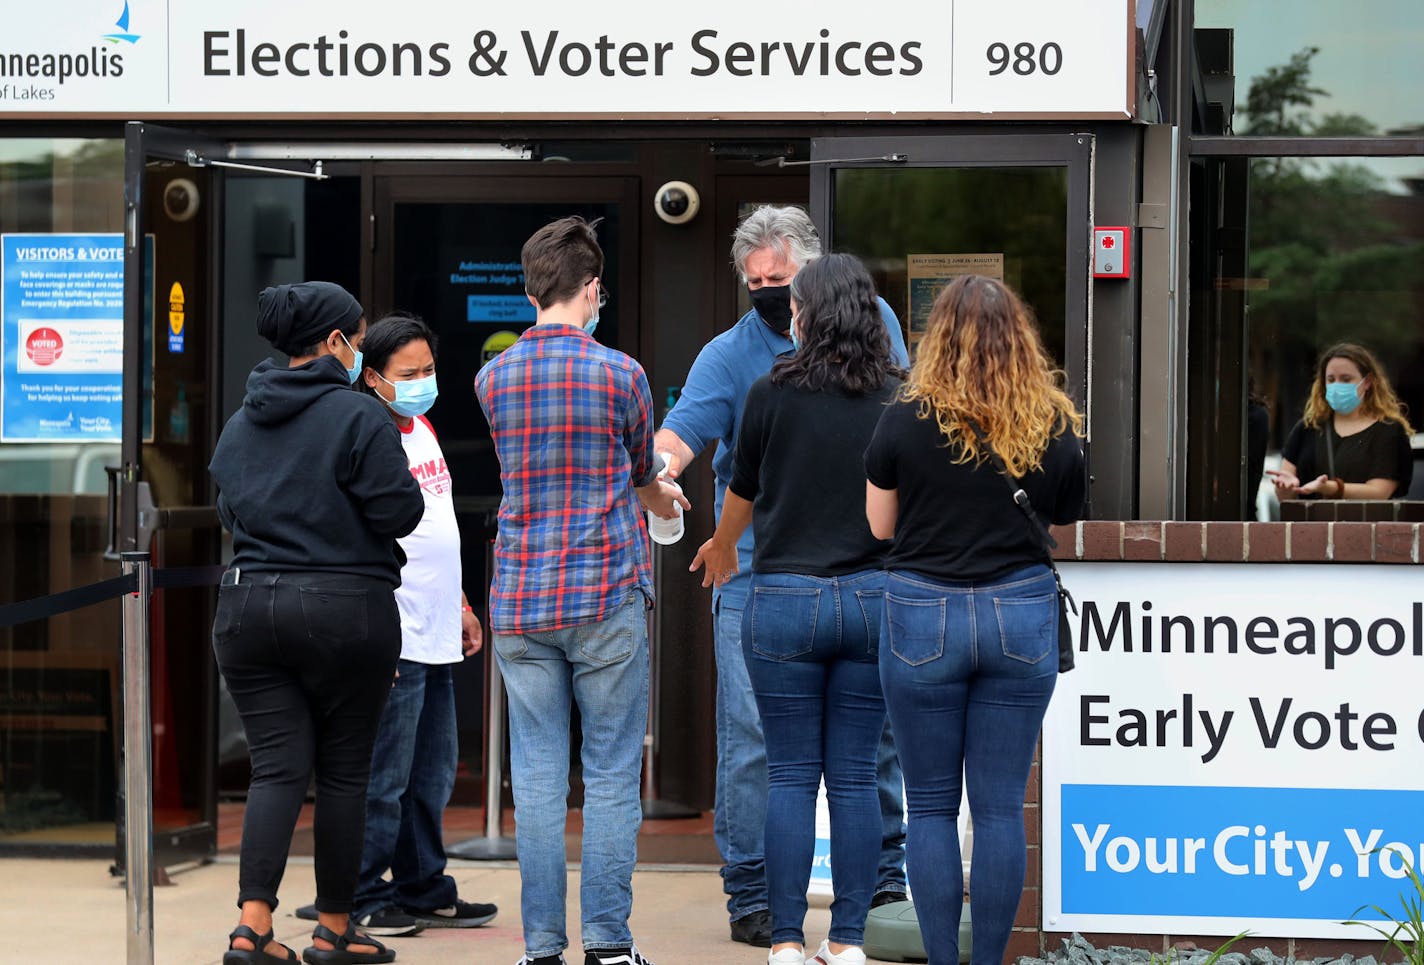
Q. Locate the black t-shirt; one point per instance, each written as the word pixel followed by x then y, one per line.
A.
pixel 958 521
pixel 1378 451
pixel 798 458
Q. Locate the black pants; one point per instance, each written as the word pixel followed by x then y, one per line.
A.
pixel 309 659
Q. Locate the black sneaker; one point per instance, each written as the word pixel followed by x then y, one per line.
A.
pixel 462 914
pixel 888 898
pixel 544 960
pixel 388 922
pixel 615 956
pixel 753 929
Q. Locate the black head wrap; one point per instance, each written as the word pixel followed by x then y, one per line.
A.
pixel 294 317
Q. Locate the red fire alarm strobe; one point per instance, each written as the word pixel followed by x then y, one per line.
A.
pixel 1112 251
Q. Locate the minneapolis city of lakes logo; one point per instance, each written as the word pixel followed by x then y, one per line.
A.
pixel 34 68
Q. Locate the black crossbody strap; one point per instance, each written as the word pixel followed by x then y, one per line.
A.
pixel 1025 505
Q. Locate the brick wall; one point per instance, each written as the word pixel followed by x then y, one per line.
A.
pixel 1297 542
pixel 1324 541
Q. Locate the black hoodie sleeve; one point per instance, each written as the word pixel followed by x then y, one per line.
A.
pixel 382 484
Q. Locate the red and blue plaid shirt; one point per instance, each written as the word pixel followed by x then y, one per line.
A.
pixel 573 428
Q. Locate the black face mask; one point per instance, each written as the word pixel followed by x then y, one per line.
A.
pixel 773 304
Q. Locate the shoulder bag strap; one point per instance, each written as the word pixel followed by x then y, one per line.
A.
pixel 1025 505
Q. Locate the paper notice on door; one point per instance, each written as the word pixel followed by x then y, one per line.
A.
pixel 928 275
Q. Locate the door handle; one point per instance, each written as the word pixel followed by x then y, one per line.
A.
pixel 151 518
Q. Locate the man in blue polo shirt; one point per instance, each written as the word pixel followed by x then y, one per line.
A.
pixel 768 248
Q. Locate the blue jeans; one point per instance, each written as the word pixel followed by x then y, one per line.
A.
pixel 968 670
pixel 811 650
pixel 602 666
pixel 412 775
pixel 739 819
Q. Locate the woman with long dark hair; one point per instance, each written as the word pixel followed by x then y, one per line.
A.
pixel 315 489
pixel 970 638
pixel 1353 440
pixel 811 629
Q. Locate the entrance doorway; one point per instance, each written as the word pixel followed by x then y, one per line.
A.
pixel 441 238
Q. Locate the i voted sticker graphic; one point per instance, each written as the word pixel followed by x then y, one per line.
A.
pixel 44 346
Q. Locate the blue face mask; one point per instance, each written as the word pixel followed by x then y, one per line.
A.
pixel 414 397
pixel 1343 397
pixel 795 336
pixel 354 372
pixel 592 323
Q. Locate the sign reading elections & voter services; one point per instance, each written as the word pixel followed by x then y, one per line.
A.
pixel 907 58
pixel 62 337
pixel 1239 749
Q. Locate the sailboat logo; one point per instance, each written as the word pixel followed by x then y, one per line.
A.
pixel 123 24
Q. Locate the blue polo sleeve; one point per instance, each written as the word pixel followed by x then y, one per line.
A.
pixel 706 409
pixel 897 336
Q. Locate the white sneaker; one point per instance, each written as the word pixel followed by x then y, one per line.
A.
pixel 823 956
pixel 787 956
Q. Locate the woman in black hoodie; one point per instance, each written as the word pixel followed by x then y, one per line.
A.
pixel 315 489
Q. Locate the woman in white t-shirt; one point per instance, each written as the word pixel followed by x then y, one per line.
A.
pixel 413 765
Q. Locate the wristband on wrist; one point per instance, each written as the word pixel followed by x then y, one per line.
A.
pixel 1339 488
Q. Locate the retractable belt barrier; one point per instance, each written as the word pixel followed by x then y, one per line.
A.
pixel 135 587
pixel 170 577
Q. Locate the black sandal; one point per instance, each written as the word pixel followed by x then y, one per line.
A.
pixel 256 955
pixel 341 953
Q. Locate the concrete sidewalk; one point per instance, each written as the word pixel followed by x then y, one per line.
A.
pixel 72 911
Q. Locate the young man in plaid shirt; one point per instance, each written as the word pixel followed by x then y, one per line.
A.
pixel 572 423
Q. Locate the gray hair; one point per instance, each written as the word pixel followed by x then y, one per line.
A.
pixel 786 230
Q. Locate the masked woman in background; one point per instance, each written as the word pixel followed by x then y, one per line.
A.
pixel 315 488
pixel 1353 441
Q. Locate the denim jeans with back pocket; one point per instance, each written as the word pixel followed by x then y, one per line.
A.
pixel 968 670
pixel 811 646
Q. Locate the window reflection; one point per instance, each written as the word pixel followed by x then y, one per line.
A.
pixel 1015 217
pixel 1362 62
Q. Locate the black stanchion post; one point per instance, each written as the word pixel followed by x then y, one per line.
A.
pixel 138 770
pixel 493 846
pixel 654 809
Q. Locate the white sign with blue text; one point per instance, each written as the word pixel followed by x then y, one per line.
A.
pixel 1241 748
pixel 897 58
pixel 61 333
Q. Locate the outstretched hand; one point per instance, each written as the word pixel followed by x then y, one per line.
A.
pixel 721 562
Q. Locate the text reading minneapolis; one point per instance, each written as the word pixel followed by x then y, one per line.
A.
pixel 542 53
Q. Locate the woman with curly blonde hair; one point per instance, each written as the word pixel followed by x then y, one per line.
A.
pixel 1353 441
pixel 969 638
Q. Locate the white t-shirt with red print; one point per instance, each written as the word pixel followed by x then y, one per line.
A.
pixel 429 594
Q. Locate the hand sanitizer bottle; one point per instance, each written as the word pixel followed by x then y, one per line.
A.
pixel 665 532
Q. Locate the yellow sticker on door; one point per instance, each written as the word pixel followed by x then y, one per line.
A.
pixel 176 318
pixel 497 343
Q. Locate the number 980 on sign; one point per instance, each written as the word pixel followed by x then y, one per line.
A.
pixel 1024 58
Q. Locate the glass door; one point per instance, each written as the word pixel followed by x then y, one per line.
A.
pixel 172 242
pixel 61 215
pixel 1010 206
